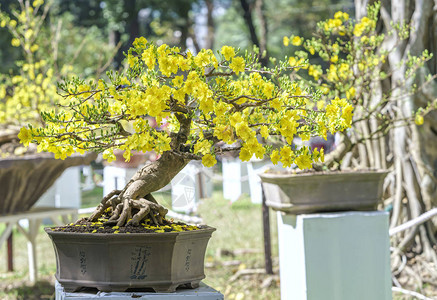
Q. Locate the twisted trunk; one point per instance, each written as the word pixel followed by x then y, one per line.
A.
pixel 134 202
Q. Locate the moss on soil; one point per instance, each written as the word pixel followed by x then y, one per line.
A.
pixel 84 226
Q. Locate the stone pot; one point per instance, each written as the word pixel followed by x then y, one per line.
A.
pixel 323 191
pixel 120 262
pixel 24 179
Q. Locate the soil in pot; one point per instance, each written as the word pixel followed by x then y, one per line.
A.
pixel 84 226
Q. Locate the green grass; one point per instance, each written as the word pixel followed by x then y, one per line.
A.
pixel 238 226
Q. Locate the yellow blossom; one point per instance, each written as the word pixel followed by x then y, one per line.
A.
pixel 245 154
pixel 25 136
pixel 296 41
pixel 274 157
pixel 228 52
pixel 303 161
pixel 15 42
pixel 208 160
pixel 418 119
pixel 237 65
pixel 350 93
pixel 264 131
pixel 140 42
pixel 286 41
pixel 287 156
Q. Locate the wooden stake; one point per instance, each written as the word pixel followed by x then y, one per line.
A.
pixel 267 238
pixel 10 253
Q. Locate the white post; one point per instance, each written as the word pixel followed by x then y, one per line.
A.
pixel 334 256
pixel 235 179
pixel 116 177
pixel 184 194
pixel 31 249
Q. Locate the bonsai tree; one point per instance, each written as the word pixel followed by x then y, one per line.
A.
pixel 199 102
pixel 349 58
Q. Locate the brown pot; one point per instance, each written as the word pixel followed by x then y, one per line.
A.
pixel 323 191
pixel 24 179
pixel 119 262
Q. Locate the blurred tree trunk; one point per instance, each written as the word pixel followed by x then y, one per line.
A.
pixel 410 150
pixel 261 40
pixel 132 28
pixel 209 42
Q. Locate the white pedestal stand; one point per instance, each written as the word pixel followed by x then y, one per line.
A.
pixel 116 178
pixel 65 192
pixel 203 292
pixel 189 186
pixel 334 256
pixel 235 179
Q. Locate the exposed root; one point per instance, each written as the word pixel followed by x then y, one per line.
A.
pixel 134 203
pixel 129 211
pixel 106 202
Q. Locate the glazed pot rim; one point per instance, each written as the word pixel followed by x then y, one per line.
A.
pixel 204 229
pixel 350 172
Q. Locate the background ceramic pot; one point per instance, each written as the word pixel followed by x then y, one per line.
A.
pixel 323 191
pixel 24 179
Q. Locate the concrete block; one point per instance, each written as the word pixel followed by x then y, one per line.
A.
pixel 203 292
pixel 334 256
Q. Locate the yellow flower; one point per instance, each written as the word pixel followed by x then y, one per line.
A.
pixel 286 41
pixel 296 41
pixel 418 120
pixel 359 29
pixel 25 136
pixel 350 93
pixel 320 104
pixel 264 131
pixel 274 157
pixel 34 48
pixel 208 160
pixel 312 51
pixel 108 155
pixel 228 52
pixel 245 154
pixel 347 114
pixel 287 156
pixel 237 65
pixel 37 3
pixel 15 42
pixel 140 42
pixel 178 81
pixel 338 14
pixel 303 161
pixel 202 147
pixel 334 58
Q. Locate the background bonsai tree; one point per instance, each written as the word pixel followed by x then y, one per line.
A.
pixel 378 63
pixel 25 90
pixel 198 101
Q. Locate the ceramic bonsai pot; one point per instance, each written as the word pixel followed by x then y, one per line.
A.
pixel 24 179
pixel 313 192
pixel 120 262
